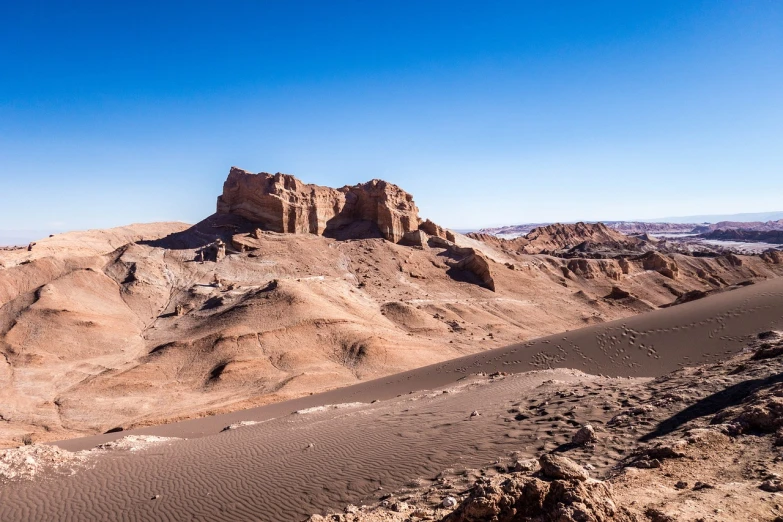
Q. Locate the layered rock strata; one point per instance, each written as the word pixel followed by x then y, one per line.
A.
pixel 282 203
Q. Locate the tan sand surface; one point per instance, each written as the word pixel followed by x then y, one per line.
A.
pixel 294 465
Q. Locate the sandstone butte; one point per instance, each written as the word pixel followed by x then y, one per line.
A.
pixel 282 203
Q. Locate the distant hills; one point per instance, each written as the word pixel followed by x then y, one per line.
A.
pixel 761 221
pixel 715 218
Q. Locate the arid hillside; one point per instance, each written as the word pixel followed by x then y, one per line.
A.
pixel 491 436
pixel 291 289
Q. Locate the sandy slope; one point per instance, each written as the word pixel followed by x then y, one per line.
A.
pixel 296 464
pixel 698 444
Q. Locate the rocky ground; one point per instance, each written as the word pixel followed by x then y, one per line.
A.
pixel 699 444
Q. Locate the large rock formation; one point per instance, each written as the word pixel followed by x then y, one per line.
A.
pixel 282 203
pixel 570 240
pixel 552 238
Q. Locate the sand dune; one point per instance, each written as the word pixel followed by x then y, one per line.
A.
pixel 293 465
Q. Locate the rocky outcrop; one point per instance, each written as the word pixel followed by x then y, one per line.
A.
pixel 589 269
pixel 282 203
pixel 660 263
pixel 772 256
pixel 582 268
pixel 212 252
pixel 687 297
pixel 468 259
pixel 477 264
pixel 563 496
pixel 436 230
pixel 417 238
pixel 559 467
pixel 617 293
pixel 762 410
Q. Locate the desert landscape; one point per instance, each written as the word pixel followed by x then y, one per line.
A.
pixel 475 261
pixel 291 289
pixel 408 371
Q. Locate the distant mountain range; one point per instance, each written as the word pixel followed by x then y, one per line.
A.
pixel 692 225
pixel 716 218
pixel 692 221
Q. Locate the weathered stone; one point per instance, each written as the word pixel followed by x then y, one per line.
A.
pixel 585 435
pixel 618 293
pixel 525 465
pixel 466 258
pixel 559 467
pixel 582 268
pixel 528 498
pixel 433 229
pixel 475 262
pixel 734 260
pixel 660 263
pixel 772 485
pixel 212 252
pixel 416 238
pixel 772 256
pixel 282 203
pixel 768 351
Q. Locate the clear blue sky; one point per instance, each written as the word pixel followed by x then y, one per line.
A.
pixel 488 112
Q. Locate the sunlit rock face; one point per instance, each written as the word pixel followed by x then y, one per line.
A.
pixel 282 203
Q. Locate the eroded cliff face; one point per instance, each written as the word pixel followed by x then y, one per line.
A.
pixel 282 203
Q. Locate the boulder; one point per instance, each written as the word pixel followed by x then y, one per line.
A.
pixel 559 467
pixel 524 465
pixel 585 435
